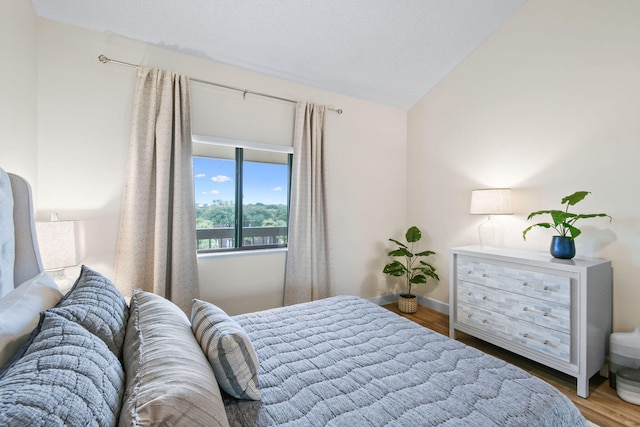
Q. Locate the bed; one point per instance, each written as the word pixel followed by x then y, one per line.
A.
pixel 94 359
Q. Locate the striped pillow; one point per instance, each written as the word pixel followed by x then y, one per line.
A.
pixel 228 348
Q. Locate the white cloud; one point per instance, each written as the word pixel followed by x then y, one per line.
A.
pixel 220 178
pixel 200 175
pixel 277 189
pixel 214 192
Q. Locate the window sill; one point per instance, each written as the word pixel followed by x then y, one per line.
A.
pixel 211 255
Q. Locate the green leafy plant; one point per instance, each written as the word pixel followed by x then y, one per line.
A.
pixel 563 221
pixel 413 268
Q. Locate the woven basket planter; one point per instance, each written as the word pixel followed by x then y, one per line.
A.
pixel 407 304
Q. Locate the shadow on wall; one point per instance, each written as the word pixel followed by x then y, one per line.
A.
pixel 258 301
pixel 376 283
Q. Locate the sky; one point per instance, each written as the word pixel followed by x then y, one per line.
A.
pixel 263 182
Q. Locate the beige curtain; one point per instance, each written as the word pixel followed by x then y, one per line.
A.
pixel 308 271
pixel 156 248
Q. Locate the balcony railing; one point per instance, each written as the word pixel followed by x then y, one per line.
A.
pixel 223 238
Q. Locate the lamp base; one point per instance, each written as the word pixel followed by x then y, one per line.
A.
pixel 491 234
pixel 59 276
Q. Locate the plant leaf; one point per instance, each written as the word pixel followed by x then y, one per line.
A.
pixel 430 272
pixel 541 224
pixel 575 197
pixel 398 243
pixel 400 252
pixel 418 278
pixel 413 234
pixel 395 268
pixel 560 217
pixel 579 216
pixel 426 265
pixel 425 253
pixel 573 231
pixel 532 214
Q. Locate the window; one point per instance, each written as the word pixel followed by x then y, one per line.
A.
pixel 241 195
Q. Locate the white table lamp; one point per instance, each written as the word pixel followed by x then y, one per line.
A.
pixel 491 201
pixel 61 245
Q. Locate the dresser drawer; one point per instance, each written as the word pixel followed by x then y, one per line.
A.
pixel 550 287
pixel 549 341
pixel 534 310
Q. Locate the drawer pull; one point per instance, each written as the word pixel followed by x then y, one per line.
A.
pixel 543 288
pixel 484 321
pixel 545 342
pixel 539 313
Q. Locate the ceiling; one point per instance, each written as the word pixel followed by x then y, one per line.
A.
pixel 386 51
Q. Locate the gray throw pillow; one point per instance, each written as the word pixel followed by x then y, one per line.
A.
pixel 67 376
pixel 94 303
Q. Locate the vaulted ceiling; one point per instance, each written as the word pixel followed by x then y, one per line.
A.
pixel 386 51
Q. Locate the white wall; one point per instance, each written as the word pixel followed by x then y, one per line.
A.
pixel 18 89
pixel 84 119
pixel 548 105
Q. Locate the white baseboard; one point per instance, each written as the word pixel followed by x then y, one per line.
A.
pixel 422 300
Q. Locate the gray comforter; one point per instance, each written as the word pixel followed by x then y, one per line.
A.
pixel 344 361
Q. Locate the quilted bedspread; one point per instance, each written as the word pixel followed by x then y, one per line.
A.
pixel 344 361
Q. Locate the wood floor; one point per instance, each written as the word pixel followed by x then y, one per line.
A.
pixel 603 407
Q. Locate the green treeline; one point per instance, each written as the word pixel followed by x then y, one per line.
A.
pixel 221 214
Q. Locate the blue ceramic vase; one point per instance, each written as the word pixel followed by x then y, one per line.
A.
pixel 563 247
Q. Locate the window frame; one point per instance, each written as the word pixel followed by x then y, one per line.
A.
pixel 240 146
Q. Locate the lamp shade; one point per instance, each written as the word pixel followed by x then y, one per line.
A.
pixel 61 243
pixel 491 201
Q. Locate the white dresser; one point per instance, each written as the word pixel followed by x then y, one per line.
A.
pixel 556 312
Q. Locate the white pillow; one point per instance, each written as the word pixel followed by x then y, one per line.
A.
pixel 7 238
pixel 20 312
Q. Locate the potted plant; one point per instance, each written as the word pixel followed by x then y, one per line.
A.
pixel 563 245
pixel 412 267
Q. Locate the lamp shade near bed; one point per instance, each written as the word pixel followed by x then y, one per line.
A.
pixel 491 201
pixel 61 243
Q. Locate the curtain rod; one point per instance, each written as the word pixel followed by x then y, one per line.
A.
pixel 105 60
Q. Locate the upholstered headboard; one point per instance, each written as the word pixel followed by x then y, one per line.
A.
pixel 27 255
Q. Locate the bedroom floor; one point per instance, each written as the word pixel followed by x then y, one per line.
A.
pixel 603 407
